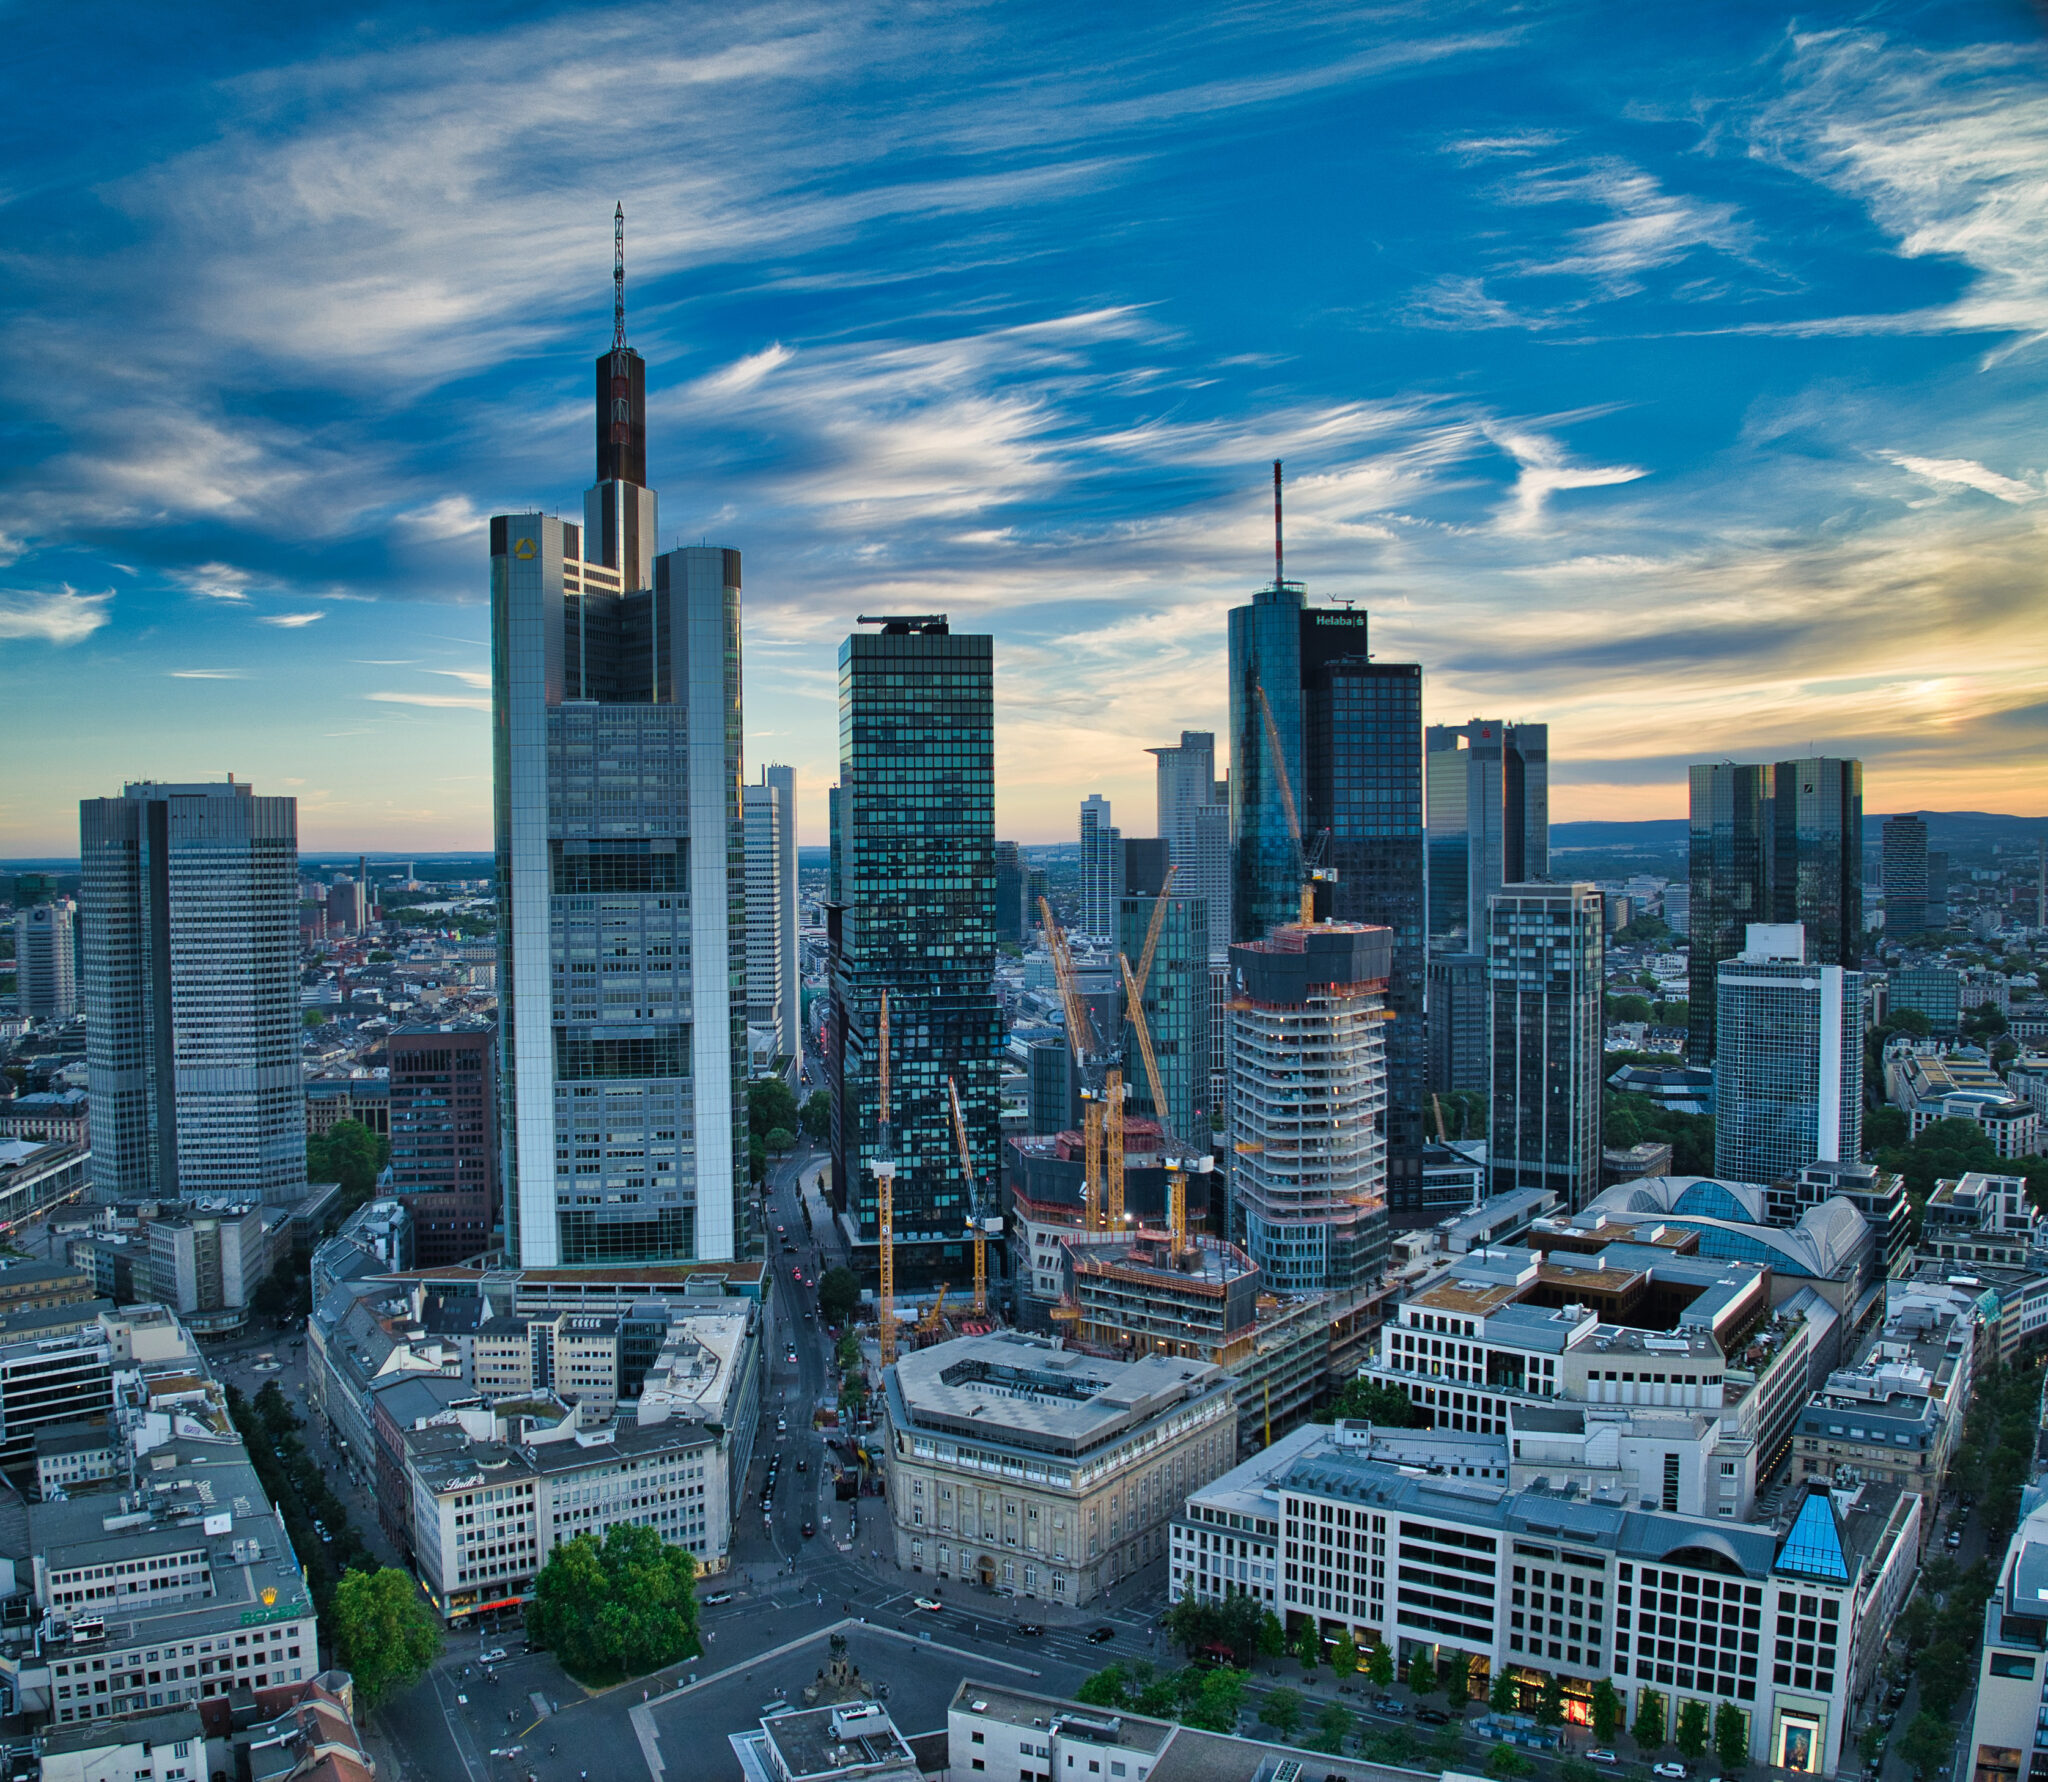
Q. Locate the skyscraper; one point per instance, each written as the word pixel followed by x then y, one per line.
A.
pixel 1194 817
pixel 913 861
pixel 768 919
pixel 444 1137
pixel 620 869
pixel 1101 869
pixel 1489 821
pixel 1905 877
pixel 1349 729
pixel 789 982
pixel 1788 1065
pixel 1308 1094
pixel 190 908
pixel 1779 842
pixel 46 987
pixel 1013 888
pixel 1545 963
pixel 1176 1009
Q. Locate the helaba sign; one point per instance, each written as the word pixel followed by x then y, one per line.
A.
pixel 1348 621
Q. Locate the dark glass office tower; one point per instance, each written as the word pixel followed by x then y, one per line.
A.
pixel 1817 856
pixel 1489 822
pixel 1730 882
pixel 1362 743
pixel 1779 842
pixel 1177 1012
pixel 913 865
pixel 1265 652
pixel 1545 963
pixel 1905 877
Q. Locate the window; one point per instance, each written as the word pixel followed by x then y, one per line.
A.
pixel 2011 1664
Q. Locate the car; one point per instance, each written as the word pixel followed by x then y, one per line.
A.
pixel 1386 1704
pixel 1955 1539
pixel 1432 1717
pixel 802 1465
pixel 496 1655
pixel 1603 1757
pixel 782 1426
pixel 1671 1772
pixel 715 1598
pixel 1030 1629
pixel 1099 1636
pixel 808 1531
pixel 926 1602
pixel 796 1274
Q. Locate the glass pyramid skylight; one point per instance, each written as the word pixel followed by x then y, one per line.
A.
pixel 1813 1548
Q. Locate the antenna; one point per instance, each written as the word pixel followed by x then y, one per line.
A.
pixel 1279 561
pixel 619 280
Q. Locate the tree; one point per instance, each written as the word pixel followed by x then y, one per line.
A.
pixel 1628 1008
pixel 1108 1688
pixel 1886 1128
pixel 1422 1672
pixel 1333 1727
pixel 1731 1738
pixel 1281 1710
pixel 817 1116
pixel 348 1152
pixel 846 1352
pixel 1649 1727
pixel 1379 1664
pixel 619 1607
pixel 838 1295
pixel 1457 1674
pixel 1371 1403
pixel 1577 1769
pixel 1506 1761
pixel 1308 1645
pixel 1692 1729
pixel 1505 1696
pixel 757 1159
pixel 1344 1654
pixel 1215 1706
pixel 770 1103
pixel 1929 1743
pixel 384 1635
pixel 779 1140
pixel 312 1019
pixel 1550 1706
pixel 1606 1711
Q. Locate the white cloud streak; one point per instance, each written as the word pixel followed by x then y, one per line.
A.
pixel 59 616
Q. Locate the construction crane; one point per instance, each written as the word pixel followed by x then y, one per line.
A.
pixel 928 1325
pixel 1180 1155
pixel 1309 858
pixel 979 1222
pixel 885 1202
pixel 1101 1084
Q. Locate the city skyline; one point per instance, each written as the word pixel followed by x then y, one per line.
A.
pixel 1674 388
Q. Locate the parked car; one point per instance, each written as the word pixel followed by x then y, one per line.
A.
pixel 1602 1756
pixel 1671 1772
pixel 1954 1540
pixel 1432 1717
pixel 1101 1635
pixel 1386 1704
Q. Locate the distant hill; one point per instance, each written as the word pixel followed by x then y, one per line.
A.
pixel 1957 832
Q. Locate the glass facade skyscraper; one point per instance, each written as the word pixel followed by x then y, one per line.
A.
pixel 1176 1011
pixel 1350 731
pixel 1905 877
pixel 913 864
pixel 1489 821
pixel 1545 968
pixel 1774 842
pixel 621 871
pixel 189 901
pixel 1788 1068
pixel 1194 817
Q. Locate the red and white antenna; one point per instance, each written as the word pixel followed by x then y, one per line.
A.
pixel 619 279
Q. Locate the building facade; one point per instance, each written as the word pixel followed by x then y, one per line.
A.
pixel 1488 814
pixel 1459 1058
pixel 1545 973
pixel 190 911
pixel 1788 1059
pixel 770 911
pixel 1177 1015
pixel 444 1137
pixel 1101 869
pixel 46 987
pixel 620 870
pixel 1905 877
pixel 1014 1462
pixel 1194 819
pixel 1308 1099
pixel 913 863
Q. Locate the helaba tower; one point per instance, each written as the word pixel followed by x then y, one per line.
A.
pixel 615 718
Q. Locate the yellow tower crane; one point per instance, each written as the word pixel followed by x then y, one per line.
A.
pixel 1095 1076
pixel 885 1198
pixel 979 1222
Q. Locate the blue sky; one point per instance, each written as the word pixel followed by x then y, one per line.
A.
pixel 1673 374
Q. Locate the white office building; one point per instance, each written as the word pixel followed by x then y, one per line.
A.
pixel 621 869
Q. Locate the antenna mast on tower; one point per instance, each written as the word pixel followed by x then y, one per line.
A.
pixel 1279 562
pixel 619 283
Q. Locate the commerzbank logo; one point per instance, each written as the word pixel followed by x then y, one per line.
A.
pixel 526 548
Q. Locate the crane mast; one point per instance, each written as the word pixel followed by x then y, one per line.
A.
pixel 977 1222
pixel 1310 860
pixel 1087 1050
